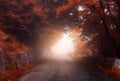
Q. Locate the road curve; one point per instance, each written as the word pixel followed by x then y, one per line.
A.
pixel 53 70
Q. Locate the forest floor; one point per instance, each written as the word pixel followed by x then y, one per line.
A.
pixel 109 70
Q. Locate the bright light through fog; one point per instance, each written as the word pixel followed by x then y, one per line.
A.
pixel 80 8
pixel 64 46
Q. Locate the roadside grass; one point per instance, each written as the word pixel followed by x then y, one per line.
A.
pixel 15 73
pixel 112 72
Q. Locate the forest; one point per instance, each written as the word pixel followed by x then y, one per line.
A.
pixel 29 27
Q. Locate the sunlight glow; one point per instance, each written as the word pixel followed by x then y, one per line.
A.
pixel 80 8
pixel 64 46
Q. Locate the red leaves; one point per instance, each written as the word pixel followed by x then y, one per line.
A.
pixel 70 4
pixel 74 3
pixel 11 46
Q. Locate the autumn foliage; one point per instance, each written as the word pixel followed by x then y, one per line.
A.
pixel 23 22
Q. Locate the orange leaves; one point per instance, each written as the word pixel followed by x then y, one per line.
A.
pixel 70 4
pixel 11 46
pixel 37 10
pixel 74 3
pixel 91 2
pixel 76 32
pixel 27 2
pixel 16 47
pixel 42 10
